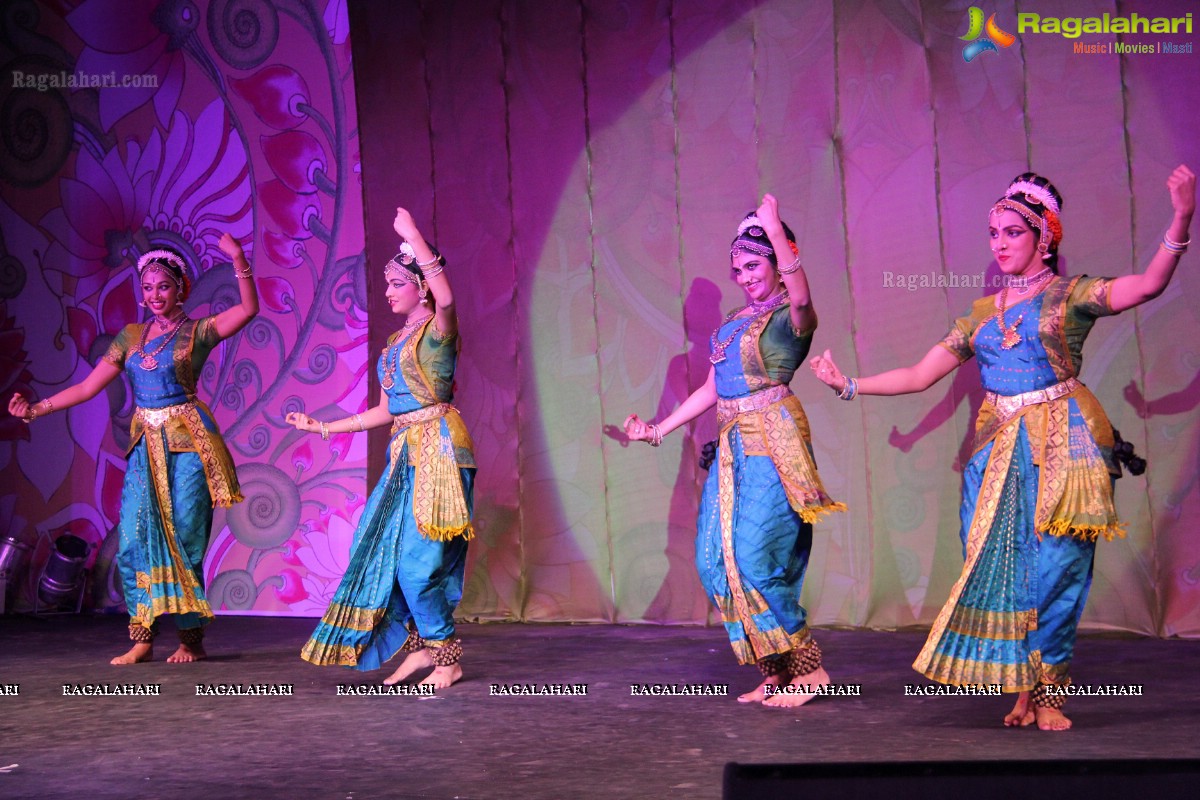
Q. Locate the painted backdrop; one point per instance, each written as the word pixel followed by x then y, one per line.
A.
pixel 225 116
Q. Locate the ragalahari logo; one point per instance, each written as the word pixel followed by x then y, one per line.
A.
pixel 994 36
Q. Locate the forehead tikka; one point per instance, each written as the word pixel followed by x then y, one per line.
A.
pixel 750 247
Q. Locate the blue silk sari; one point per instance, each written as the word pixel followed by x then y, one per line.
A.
pixel 178 470
pixel 409 553
pixel 754 531
pixel 1037 493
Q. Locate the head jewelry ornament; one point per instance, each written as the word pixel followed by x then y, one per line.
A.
pixel 751 221
pixel 1046 219
pixel 748 230
pixel 174 266
pixel 1039 194
pixel 405 257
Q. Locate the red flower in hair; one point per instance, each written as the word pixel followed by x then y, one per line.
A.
pixel 1055 226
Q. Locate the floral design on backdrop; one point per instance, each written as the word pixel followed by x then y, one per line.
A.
pixel 238 116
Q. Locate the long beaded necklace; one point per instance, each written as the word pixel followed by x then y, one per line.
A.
pixel 1009 337
pixel 391 355
pixel 149 362
pixel 757 309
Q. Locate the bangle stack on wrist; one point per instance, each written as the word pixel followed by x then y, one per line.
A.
pixel 656 435
pixel 433 267
pixel 34 413
pixel 1174 248
pixel 790 268
pixel 850 390
pixel 324 431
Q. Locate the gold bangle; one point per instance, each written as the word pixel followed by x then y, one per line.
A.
pixel 656 435
pixel 34 413
pixel 324 431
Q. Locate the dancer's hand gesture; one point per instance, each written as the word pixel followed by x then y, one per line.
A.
pixel 1182 186
pixel 302 422
pixel 827 372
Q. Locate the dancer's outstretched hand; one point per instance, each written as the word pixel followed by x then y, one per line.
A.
pixel 18 406
pixel 302 422
pixel 637 430
pixel 827 372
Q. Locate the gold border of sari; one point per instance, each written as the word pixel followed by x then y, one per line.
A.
pixel 944 669
pixel 176 572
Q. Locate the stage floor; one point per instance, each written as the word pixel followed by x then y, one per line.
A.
pixel 468 743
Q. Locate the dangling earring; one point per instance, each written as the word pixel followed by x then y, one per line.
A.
pixel 423 291
pixel 1047 256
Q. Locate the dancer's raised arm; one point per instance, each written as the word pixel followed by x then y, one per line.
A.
pixel 791 273
pixel 232 320
pixel 1131 290
pixel 431 266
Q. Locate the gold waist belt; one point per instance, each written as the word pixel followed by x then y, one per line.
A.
pixel 728 409
pixel 1008 406
pixel 425 414
pixel 157 417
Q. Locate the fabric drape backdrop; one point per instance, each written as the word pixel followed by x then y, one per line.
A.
pixel 583 166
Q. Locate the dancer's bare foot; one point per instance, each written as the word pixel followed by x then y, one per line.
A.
pixel 412 662
pixel 141 651
pixel 759 694
pixel 804 691
pixel 1051 719
pixel 441 677
pixel 187 653
pixel 1022 715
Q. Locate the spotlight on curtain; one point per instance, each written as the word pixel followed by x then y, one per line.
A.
pixel 63 576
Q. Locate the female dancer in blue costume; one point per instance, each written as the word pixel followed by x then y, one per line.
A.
pixel 1037 493
pixel 406 564
pixel 179 467
pixel 755 523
